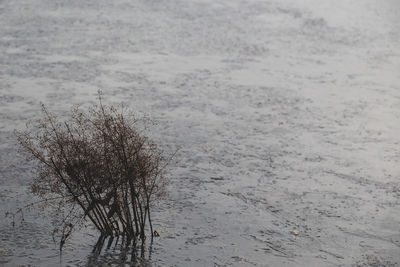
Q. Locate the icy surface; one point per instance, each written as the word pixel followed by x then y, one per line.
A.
pixel 287 114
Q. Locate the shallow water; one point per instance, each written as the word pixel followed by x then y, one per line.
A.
pixel 287 114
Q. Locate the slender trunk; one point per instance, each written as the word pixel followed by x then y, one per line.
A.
pixel 151 225
pixel 128 213
pixel 134 209
pixel 142 222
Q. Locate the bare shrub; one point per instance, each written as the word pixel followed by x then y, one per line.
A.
pixel 97 166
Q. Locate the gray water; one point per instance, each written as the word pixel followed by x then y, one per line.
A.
pixel 286 113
